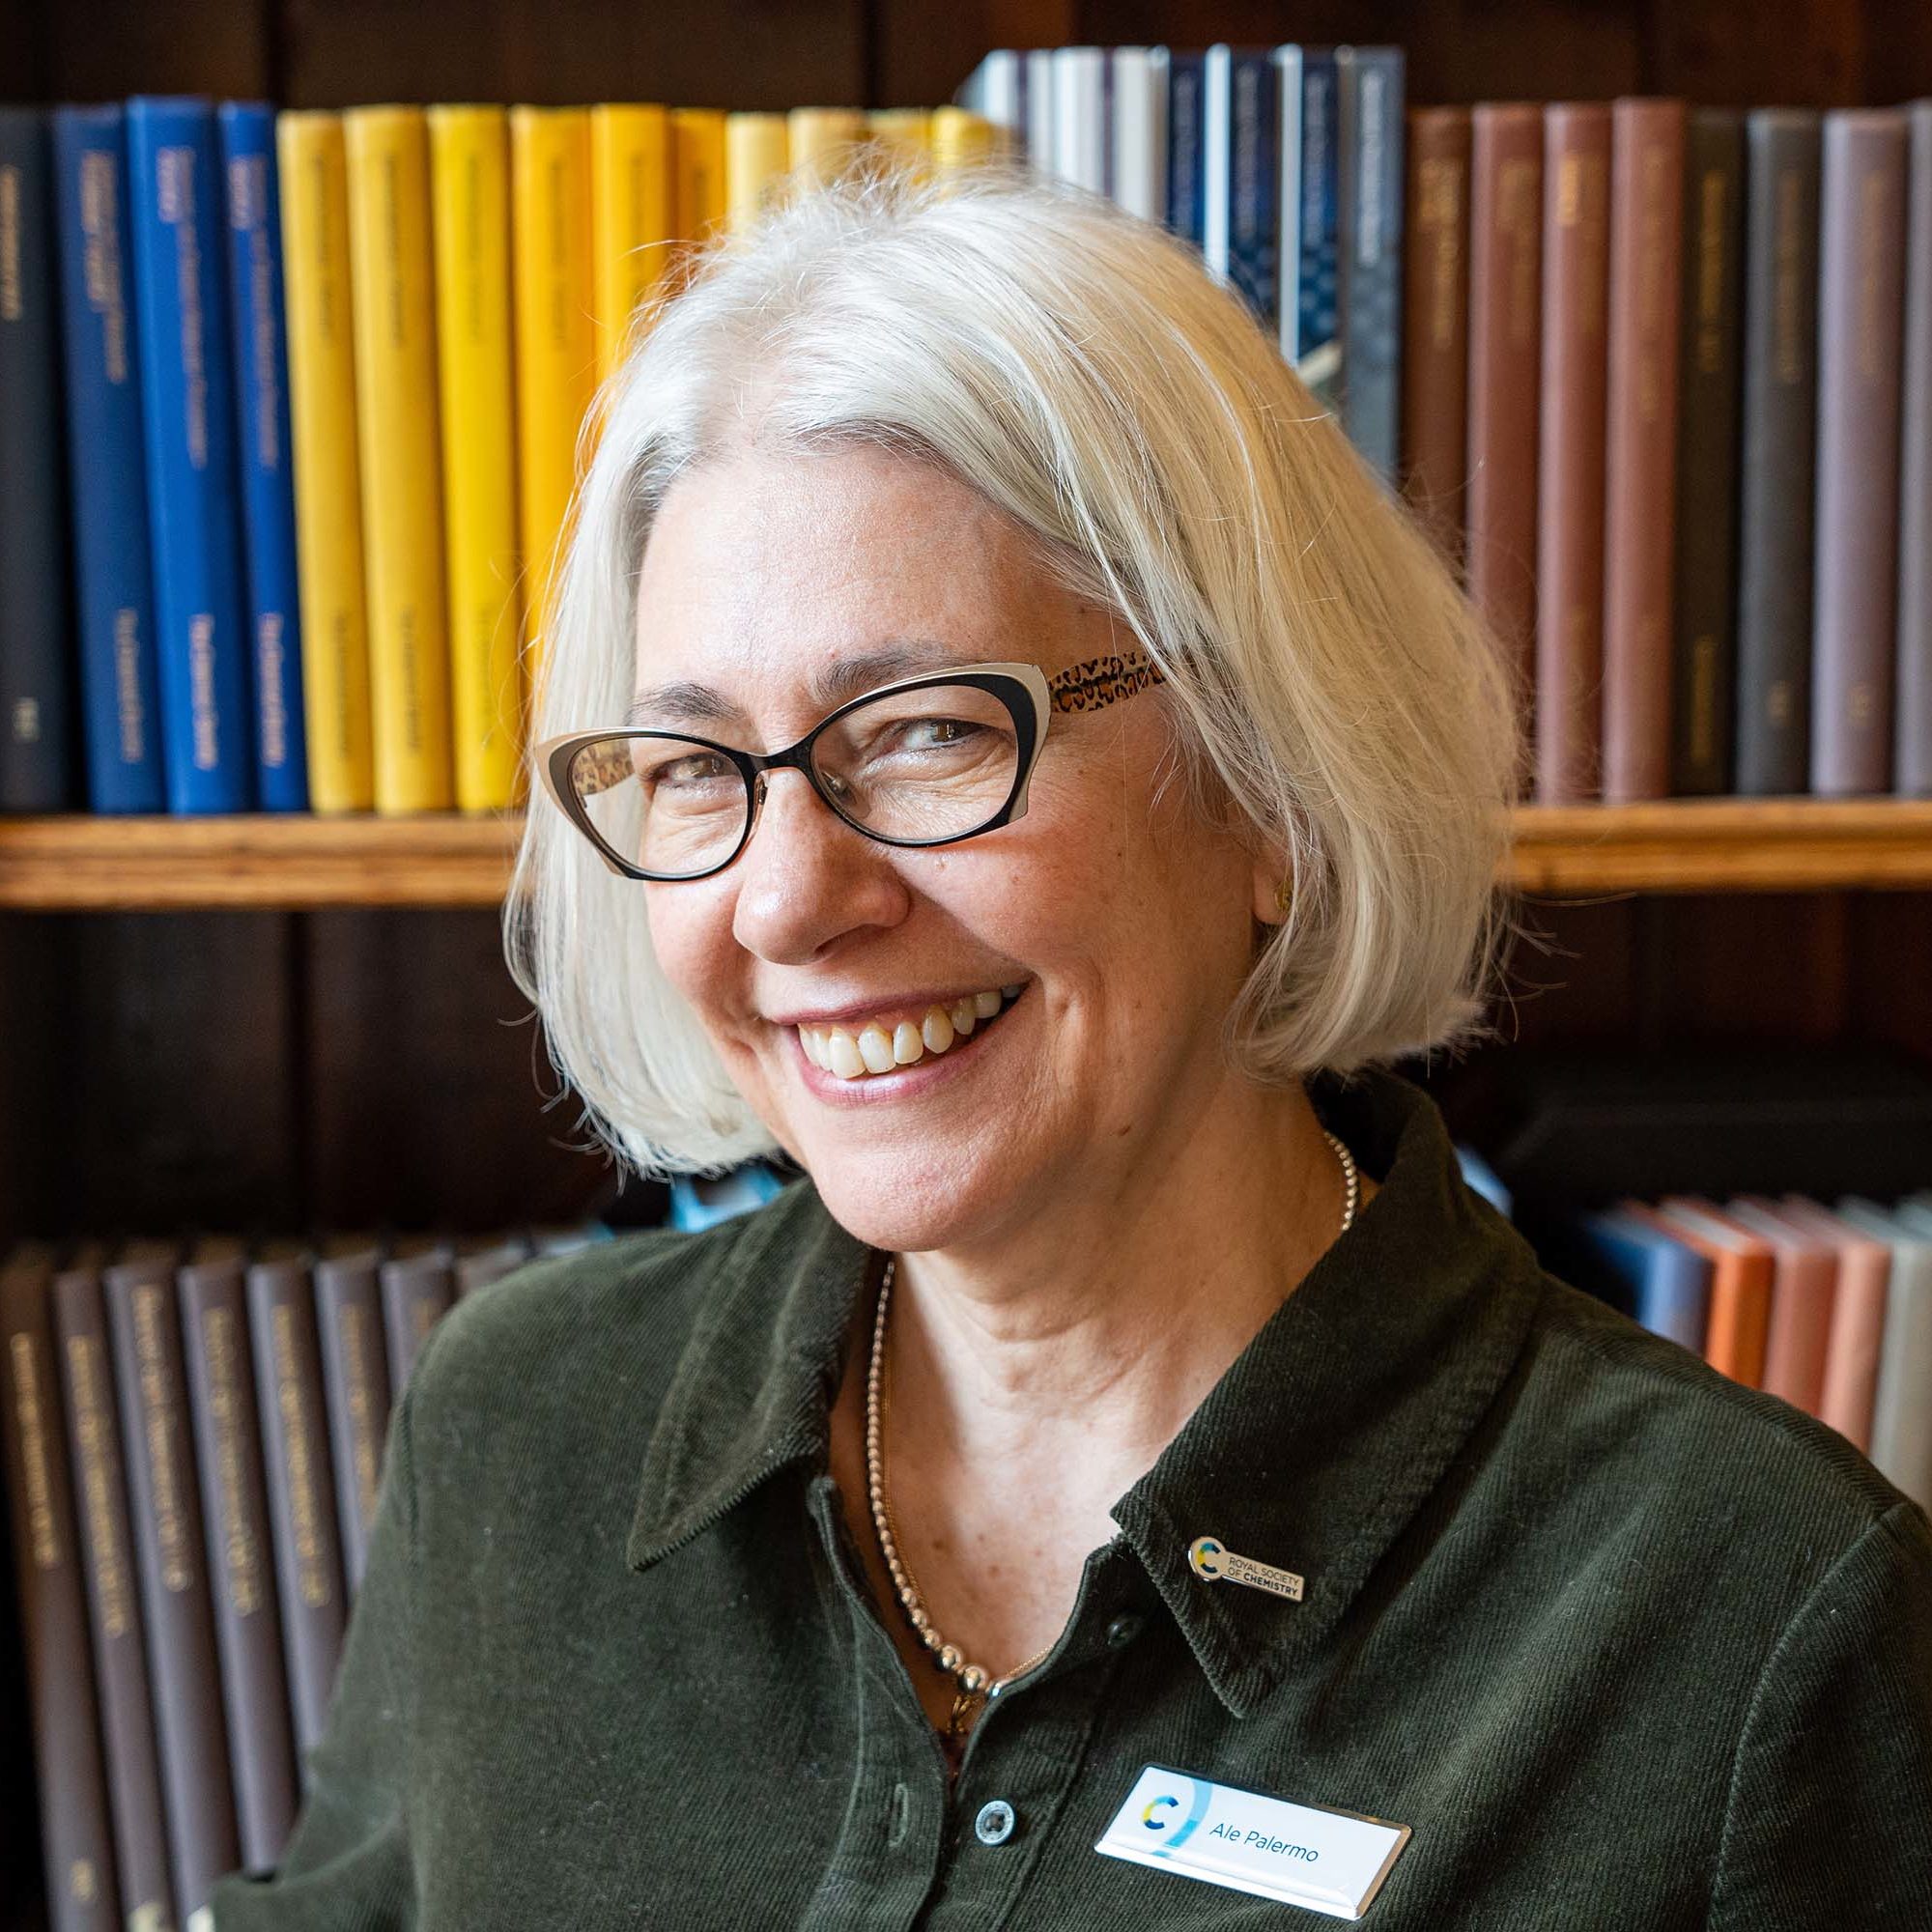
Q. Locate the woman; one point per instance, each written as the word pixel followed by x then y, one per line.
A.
pixel 1003 749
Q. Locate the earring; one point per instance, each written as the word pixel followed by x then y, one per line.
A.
pixel 1283 893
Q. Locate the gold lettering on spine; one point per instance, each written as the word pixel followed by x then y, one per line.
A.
pixel 34 1452
pixel 1711 206
pixel 1788 285
pixel 1519 211
pixel 1873 196
pixel 161 1424
pixel 241 1561
pixel 304 1516
pixel 1652 333
pixel 86 1380
pixel 361 1419
pixel 9 245
pixel 129 709
pixel 205 714
pixel 175 182
pixel 101 255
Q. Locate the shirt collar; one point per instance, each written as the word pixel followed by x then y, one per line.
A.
pixel 1311 1454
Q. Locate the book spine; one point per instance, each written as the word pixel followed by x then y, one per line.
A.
pixel 75 1835
pixel 120 678
pixel 1137 132
pixel 556 342
pixel 355 1384
pixel 1704 594
pixel 1314 278
pixel 1639 523
pixel 258 324
pixel 188 403
pixel 314 192
pixel 1912 753
pixel 1505 359
pixel 1436 324
pixel 700 197
pixel 1777 453
pixel 631 211
pixel 235 1507
pixel 757 155
pixel 37 751
pixel 402 486
pixel 1186 148
pixel 1037 99
pixel 469 162
pixel 1254 180
pixel 143 1310
pixel 417 1292
pixel 302 1492
pixel 1855 590
pixel 1370 105
pixel 1570 464
pixel 1079 117
pixel 113 1600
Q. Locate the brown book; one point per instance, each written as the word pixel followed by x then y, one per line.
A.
pixel 356 1384
pixel 1856 1341
pixel 144 1322
pixel 116 1624
pixel 1803 1292
pixel 1505 353
pixel 1710 359
pixel 1646 222
pixel 1436 324
pixel 419 1290
pixel 1912 752
pixel 302 1487
pixel 76 1835
pixel 1860 284
pixel 1570 471
pixel 482 1259
pixel 240 1552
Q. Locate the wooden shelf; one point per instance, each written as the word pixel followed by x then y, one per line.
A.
pixel 82 863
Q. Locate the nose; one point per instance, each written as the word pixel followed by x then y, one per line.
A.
pixel 806 878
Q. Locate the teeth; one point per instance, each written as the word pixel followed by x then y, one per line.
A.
pixel 874 1050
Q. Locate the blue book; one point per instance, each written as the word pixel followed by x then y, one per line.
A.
pixel 697 1203
pixel 1667 1283
pixel 120 677
pixel 38 762
pixel 259 322
pixel 1311 334
pixel 1369 207
pixel 1241 241
pixel 187 397
pixel 1186 148
pixel 1485 1179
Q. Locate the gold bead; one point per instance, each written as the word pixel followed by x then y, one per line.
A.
pixel 949 1658
pixel 972 1678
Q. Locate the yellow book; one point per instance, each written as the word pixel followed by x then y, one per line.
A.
pixel 698 158
pixel 470 179
pixel 633 227
pixel 556 342
pixel 961 139
pixel 903 135
pixel 402 483
pixel 824 140
pixel 757 152
pixel 328 479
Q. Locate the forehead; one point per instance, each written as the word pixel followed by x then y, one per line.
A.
pixel 821 574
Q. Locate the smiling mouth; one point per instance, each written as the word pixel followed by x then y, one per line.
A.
pixel 857 1054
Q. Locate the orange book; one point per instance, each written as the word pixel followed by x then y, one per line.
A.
pixel 1804 1287
pixel 1740 1272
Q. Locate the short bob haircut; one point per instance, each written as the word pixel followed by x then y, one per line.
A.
pixel 1082 371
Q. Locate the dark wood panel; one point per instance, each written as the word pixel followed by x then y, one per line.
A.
pixel 102 49
pixel 737 54
pixel 425 1080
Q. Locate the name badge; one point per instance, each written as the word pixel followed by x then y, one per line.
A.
pixel 1308 1855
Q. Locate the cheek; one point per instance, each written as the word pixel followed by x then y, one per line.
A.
pixel 691 939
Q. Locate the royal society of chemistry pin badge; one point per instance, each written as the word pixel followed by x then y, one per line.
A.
pixel 1211 1560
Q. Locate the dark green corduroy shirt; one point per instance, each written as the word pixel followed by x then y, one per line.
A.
pixel 1625 1645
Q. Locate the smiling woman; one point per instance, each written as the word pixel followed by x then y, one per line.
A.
pixel 1001 746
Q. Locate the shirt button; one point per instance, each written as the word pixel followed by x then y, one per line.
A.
pixel 995 1823
pixel 1123 1630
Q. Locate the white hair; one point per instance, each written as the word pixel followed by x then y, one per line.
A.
pixel 1080 370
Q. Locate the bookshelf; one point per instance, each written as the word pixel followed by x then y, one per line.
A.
pixel 270 863
pixel 258 1021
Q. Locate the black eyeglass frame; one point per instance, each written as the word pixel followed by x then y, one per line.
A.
pixel 1029 696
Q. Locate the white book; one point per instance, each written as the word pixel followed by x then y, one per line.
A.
pixel 1037 102
pixel 1288 82
pixel 996 91
pixel 1080 116
pixel 1137 130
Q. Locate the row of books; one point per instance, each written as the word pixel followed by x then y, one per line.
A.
pixel 1660 379
pixel 1830 1308
pixel 194 1436
pixel 289 415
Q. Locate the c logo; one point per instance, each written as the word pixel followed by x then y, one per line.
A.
pixel 1205 1552
pixel 1153 1823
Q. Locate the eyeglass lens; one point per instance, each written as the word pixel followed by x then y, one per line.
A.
pixel 919 766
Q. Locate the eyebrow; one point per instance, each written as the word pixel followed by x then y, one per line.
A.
pixel 687 704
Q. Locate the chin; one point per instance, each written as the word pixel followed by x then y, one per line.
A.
pixel 908 1204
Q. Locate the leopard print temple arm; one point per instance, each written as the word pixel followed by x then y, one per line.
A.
pixel 1098 681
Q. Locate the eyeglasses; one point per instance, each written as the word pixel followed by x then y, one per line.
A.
pixel 925 761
